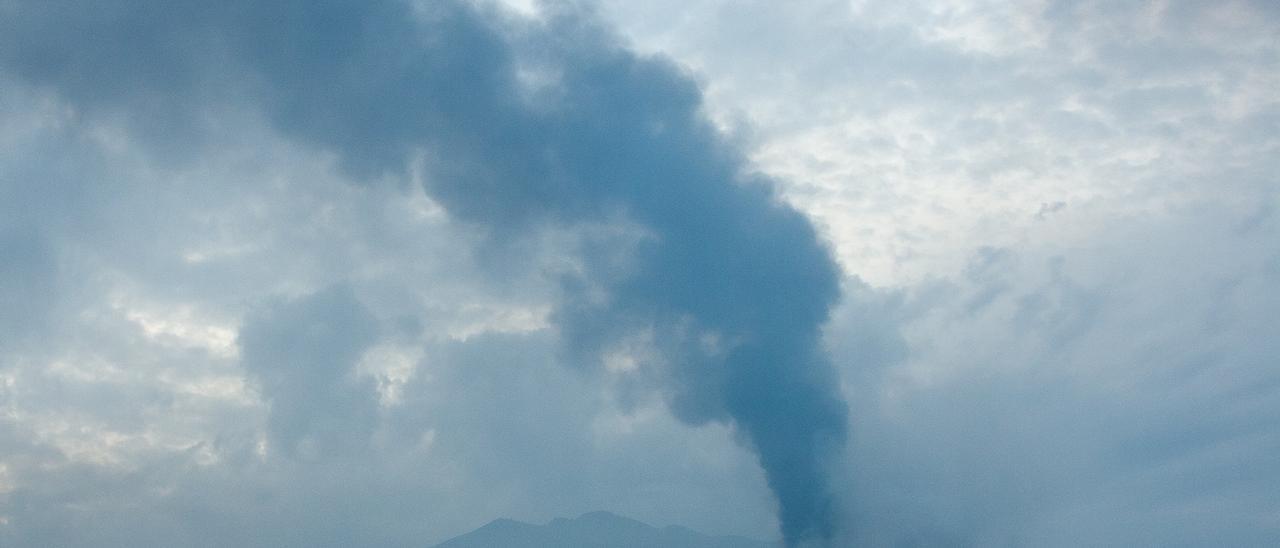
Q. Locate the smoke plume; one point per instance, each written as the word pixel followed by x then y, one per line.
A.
pixel 515 125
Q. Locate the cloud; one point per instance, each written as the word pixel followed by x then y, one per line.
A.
pixel 1048 401
pixel 303 355
pixel 912 147
pixel 28 275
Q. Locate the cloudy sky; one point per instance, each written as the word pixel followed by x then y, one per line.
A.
pixel 376 273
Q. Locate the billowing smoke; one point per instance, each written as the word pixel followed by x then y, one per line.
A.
pixel 515 125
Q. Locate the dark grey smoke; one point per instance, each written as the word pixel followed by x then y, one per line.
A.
pixel 519 125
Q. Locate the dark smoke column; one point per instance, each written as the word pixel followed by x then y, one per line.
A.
pixel 519 125
pixel 605 134
pixel 724 258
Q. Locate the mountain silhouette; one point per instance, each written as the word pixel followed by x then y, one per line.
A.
pixel 593 530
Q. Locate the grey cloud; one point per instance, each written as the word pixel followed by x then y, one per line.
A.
pixel 489 426
pixel 1077 406
pixel 1010 106
pixel 303 355
pixel 27 280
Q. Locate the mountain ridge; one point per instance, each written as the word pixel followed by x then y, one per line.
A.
pixel 599 529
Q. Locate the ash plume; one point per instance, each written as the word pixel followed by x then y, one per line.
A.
pixel 733 283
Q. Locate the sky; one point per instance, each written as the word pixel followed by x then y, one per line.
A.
pixel 863 272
